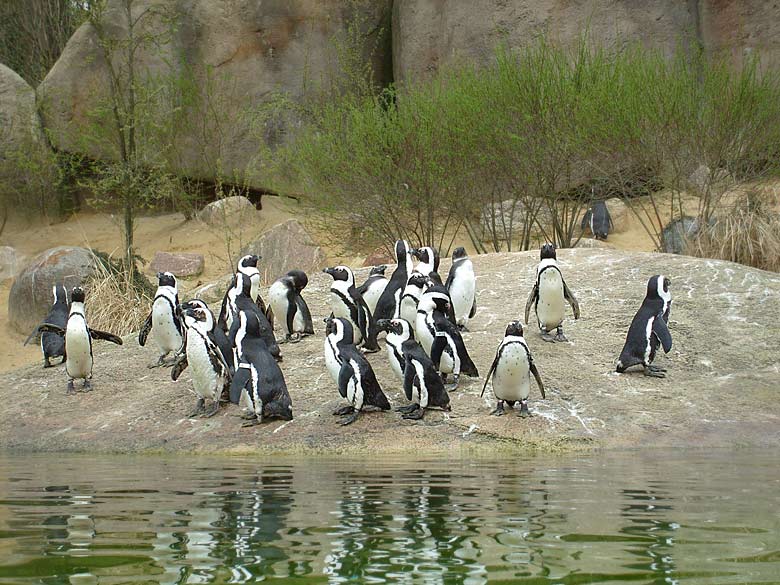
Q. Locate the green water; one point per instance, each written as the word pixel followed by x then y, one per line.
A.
pixel 669 517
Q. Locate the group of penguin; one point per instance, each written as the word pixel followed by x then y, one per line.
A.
pixel 236 356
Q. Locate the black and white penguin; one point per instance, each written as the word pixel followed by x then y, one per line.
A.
pixel 288 306
pixel 428 263
pixel 346 302
pixel 422 383
pixel 78 341
pixel 649 329
pixel 389 302
pixel 336 331
pixel 511 372
pixel 398 331
pixel 208 368
pixel 53 344
pixel 219 337
pixel 413 290
pixel 163 320
pixel 258 382
pixel 599 221
pixel 462 287
pixel 373 287
pixel 247 266
pixel 548 296
pixel 440 337
pixel 356 380
pixel 244 303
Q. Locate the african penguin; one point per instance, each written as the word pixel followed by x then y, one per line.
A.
pixel 78 341
pixel 346 302
pixel 462 286
pixel 649 329
pixel 398 331
pixel 390 300
pixel 417 283
pixel 337 331
pixel 163 320
pixel 511 371
pixel 288 306
pixel 208 369
pixel 373 287
pixel 428 262
pixel 258 383
pixel 219 337
pixel 599 221
pixel 422 383
pixel 244 303
pixel 53 344
pixel 247 266
pixel 548 296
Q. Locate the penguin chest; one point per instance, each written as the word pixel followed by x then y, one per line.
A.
pixel 332 362
pixel 420 390
pixel 373 293
pixel 462 292
pixel 277 298
pixel 423 329
pixel 205 379
pixel 355 393
pixel 164 331
pixel 512 376
pixel 409 302
pixel 394 355
pixel 550 305
pixel 78 349
pixel 342 306
pixel 450 362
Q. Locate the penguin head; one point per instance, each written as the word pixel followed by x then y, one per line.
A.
pixel 203 313
pixel 458 253
pixel 299 279
pixel 340 329
pixel 659 286
pixel 166 279
pixel 428 256
pixel 77 294
pixel 341 273
pixel 514 329
pixel 250 260
pixel 60 294
pixel 399 327
pixel 417 279
pixel 435 298
pixel 378 270
pixel 547 251
pixel 402 250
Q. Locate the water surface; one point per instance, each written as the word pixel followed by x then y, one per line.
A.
pixel 668 517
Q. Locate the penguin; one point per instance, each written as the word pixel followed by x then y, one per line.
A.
pixel 285 300
pixel 346 302
pixel 649 329
pixel 219 337
pixel 258 382
pixel 357 382
pixel 373 287
pixel 548 295
pixel 389 302
pixel 422 384
pixel 244 303
pixel 398 331
pixel 462 287
pixel 511 372
pixel 336 331
pixel 440 338
pixel 599 221
pixel 163 320
pixel 78 341
pixel 209 369
pixel 414 289
pixel 247 266
pixel 53 344
pixel 429 262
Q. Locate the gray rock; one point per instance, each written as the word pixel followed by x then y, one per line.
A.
pixel 286 246
pixel 218 212
pixel 506 213
pixel 9 262
pixel 180 264
pixel 31 297
pixel 620 214
pixel 675 236
pixel 213 292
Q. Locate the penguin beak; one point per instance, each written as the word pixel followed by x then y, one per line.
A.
pixel 415 252
pixel 159 275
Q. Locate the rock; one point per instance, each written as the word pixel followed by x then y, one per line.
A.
pixel 31 297
pixel 181 264
pixel 741 29
pixel 620 214
pixel 508 213
pixel 285 247
pixel 675 236
pixel 9 262
pixel 378 257
pixel 238 54
pixel 593 243
pixel 220 211
pixel 213 292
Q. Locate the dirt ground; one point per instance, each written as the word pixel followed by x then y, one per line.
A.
pixel 721 390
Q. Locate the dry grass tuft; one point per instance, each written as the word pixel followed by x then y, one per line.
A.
pixel 748 233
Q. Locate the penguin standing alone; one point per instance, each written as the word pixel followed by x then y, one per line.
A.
pixel 285 300
pixel 511 371
pixel 548 295
pixel 346 302
pixel 599 221
pixel 373 287
pixel 163 320
pixel 462 287
pixel 53 344
pixel 649 329
pixel 422 383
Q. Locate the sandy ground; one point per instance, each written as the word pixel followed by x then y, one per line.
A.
pixel 721 389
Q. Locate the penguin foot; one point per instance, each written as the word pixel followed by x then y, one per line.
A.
pixel 211 411
pixel 350 419
pixel 654 373
pixel 416 414
pixel 344 410
pixel 453 385
pixel 200 407
pixel 547 337
pixel 653 368
pixel 524 412
pixel 70 389
pixel 87 386
pixel 365 349
pixel 252 422
pixel 499 411
pixel 462 327
pixel 295 337
pixel 248 415
pixel 407 408
pixel 560 336
pixel 47 363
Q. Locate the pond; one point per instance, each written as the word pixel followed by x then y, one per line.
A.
pixel 689 517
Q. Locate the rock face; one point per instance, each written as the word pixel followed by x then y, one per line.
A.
pixel 238 54
pixel 218 212
pixel 285 247
pixel 740 29
pixel 31 296
pixel 178 263
pixel 9 262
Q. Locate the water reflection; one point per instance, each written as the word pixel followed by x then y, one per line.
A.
pixel 613 518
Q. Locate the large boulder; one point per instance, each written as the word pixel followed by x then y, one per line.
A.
pixel 181 264
pixel 285 247
pixel 236 55
pixel 223 210
pixel 31 296
pixel 741 29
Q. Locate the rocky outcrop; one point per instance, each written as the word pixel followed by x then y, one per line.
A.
pixel 182 264
pixel 285 247
pixel 31 297
pixel 236 54
pixel 741 29
pixel 221 211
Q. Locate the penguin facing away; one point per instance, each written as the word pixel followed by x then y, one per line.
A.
pixel 511 372
pixel 53 344
pixel 346 302
pixel 337 331
pixel 398 331
pixel 163 320
pixel 548 296
pixel 285 300
pixel 599 221
pixel 244 303
pixel 389 302
pixel 422 383
pixel 373 287
pixel 649 329
pixel 462 287
pixel 78 341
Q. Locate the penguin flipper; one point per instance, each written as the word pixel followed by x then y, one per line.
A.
pixel 308 325
pixel 569 296
pixel 661 331
pixel 269 314
pixel 492 369
pixel 473 308
pixel 238 383
pixel 437 349
pixel 409 375
pixel 144 332
pixel 105 336
pixel 51 328
pixel 535 372
pixel 35 332
pixel 586 219
pixel 531 301
pixel 345 375
pixel 179 367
